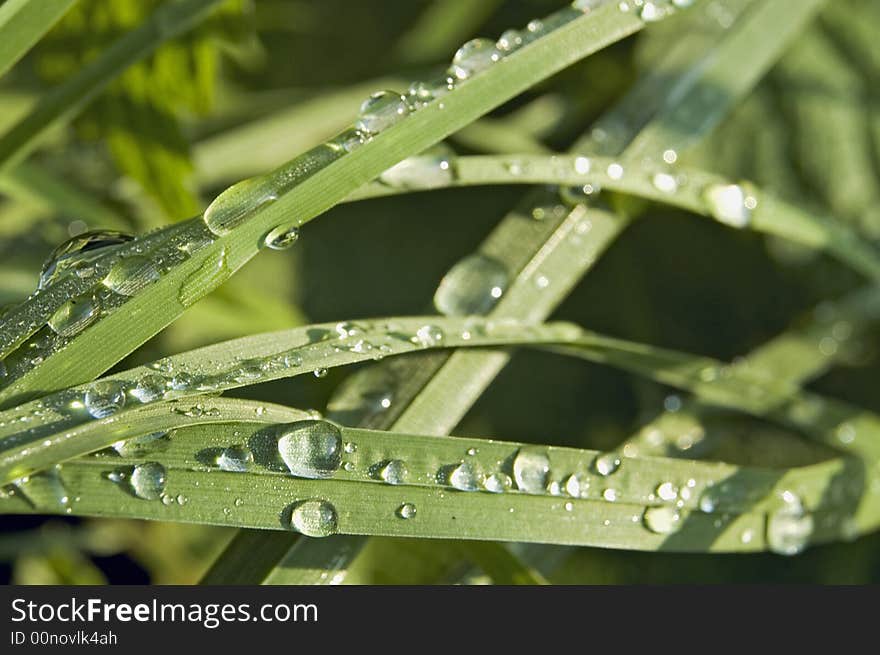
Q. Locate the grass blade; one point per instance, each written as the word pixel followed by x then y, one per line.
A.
pixel 22 23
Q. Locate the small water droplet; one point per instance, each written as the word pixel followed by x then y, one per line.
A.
pixel 75 315
pixel 651 11
pixel 474 57
pixel 789 527
pixel 498 483
pixel 148 480
pixel 463 477
pixel 531 469
pixel 235 458
pixel 610 495
pixel 662 520
pixel 282 238
pixel 615 171
pixel 421 172
pixel 143 444
pixel 380 111
pixel 730 204
pixel 148 388
pixel 104 398
pixel 473 286
pixel 213 272
pixel 406 511
pixel 314 518
pixel 393 472
pixel 311 448
pixel 509 41
pixel 606 463
pixel 665 183
pixel 667 491
pixel 320 372
pixel 581 165
pixel 428 336
pixel 131 274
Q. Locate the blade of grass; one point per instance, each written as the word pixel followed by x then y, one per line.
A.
pixel 23 23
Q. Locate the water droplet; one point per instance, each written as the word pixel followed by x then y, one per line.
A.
pixel 665 183
pixel 393 472
pixel 730 204
pixel 421 172
pixel 148 480
pixel 585 5
pixel 350 139
pixel 104 398
pixel 423 92
pixel 651 11
pixel 530 470
pixel 78 252
pixel 314 518
pixel 498 483
pixel 428 336
pixel 131 274
pixel 606 463
pixel 473 57
pixel 75 315
pixel 463 477
pixel 148 388
pixel 143 444
pixel 509 41
pixel 789 527
pixel 662 520
pixel 667 491
pixel 473 286
pixel 235 458
pixel 574 486
pixel 310 449
pixel 282 238
pixel 380 111
pixel 670 156
pixel 210 275
pixel 406 511
pixel 320 372
pixel 232 207
pixel 610 495
pixel 615 171
pixel 581 165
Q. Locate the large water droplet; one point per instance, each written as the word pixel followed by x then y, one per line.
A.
pixel 789 527
pixel 473 286
pixel 393 471
pixel 75 315
pixel 213 271
pixel 730 204
pixel 149 387
pixel 314 518
pixel 421 172
pixel 232 207
pixel 104 398
pixel 143 444
pixel 148 480
pixel 662 520
pixel 473 57
pixel 606 463
pixel 310 449
pixel 463 477
pixel 380 111
pixel 235 458
pixel 530 470
pixel 80 251
pixel 131 274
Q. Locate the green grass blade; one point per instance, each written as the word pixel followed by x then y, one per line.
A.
pixel 23 23
pixel 62 103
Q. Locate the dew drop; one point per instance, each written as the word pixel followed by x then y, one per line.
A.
pixel 104 398
pixel 509 41
pixel 428 336
pixel 314 518
pixel 498 483
pixel 615 171
pixel 665 183
pixel 393 472
pixel 473 286
pixel 581 165
pixel 131 274
pixel 730 204
pixel 75 315
pixel 235 458
pixel 311 448
pixel 531 469
pixel 667 491
pixel 423 92
pixel 463 477
pixel 78 252
pixel 233 207
pixel 606 463
pixel 148 480
pixel 474 57
pixel 406 511
pixel 651 12
pixel 662 520
pixel 282 238
pixel 143 444
pixel 380 111
pixel 789 527
pixel 421 172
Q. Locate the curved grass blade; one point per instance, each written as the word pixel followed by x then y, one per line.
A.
pixel 199 490
pixel 306 187
pixel 740 205
pixel 23 23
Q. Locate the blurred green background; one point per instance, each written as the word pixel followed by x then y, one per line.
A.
pixel 261 81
